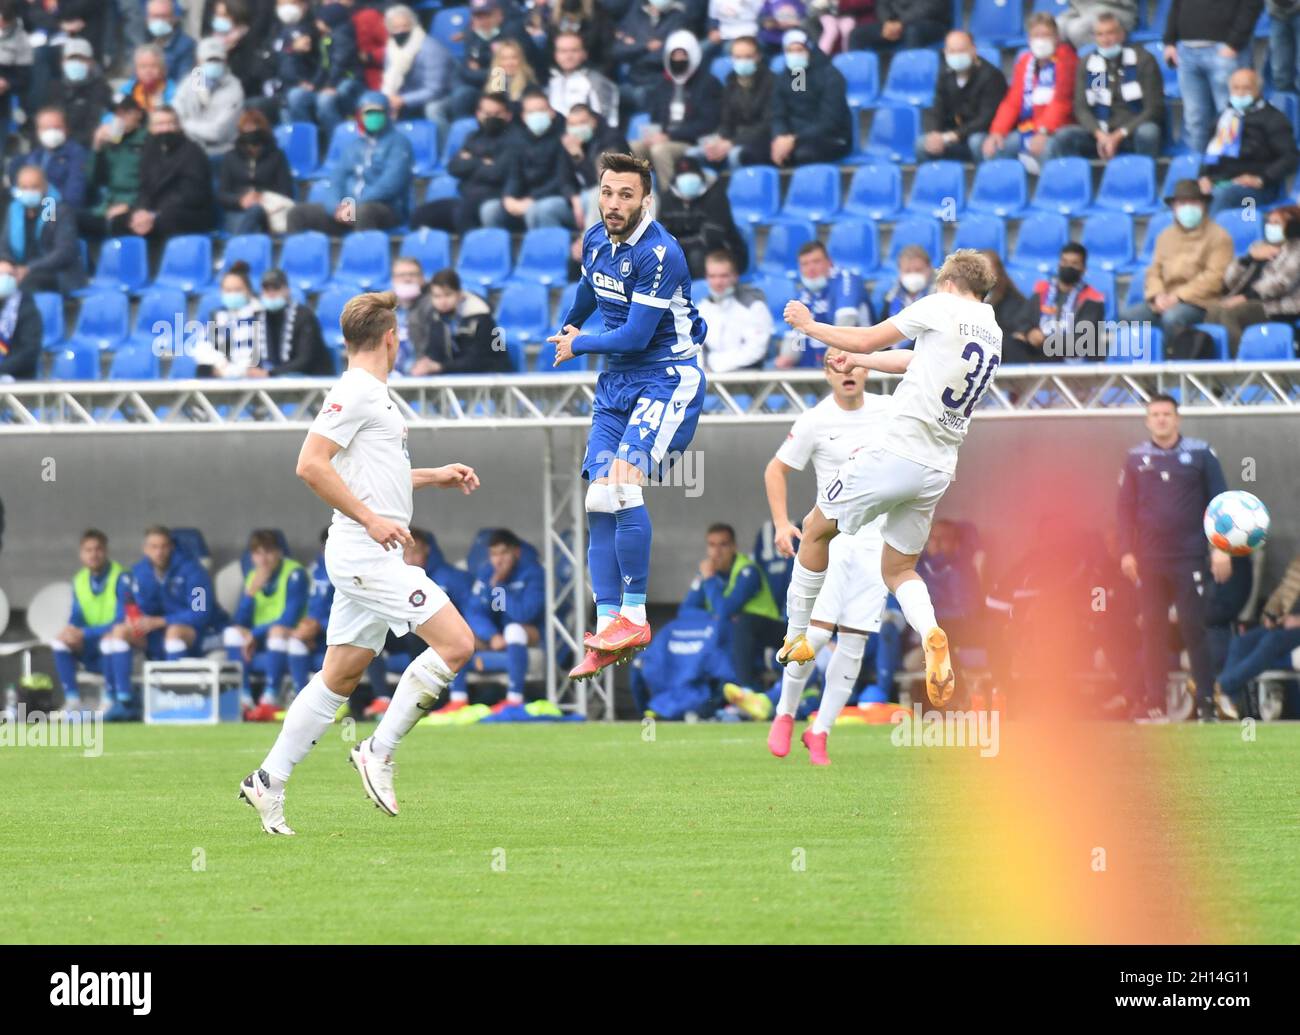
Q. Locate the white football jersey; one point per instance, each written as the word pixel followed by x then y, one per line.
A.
pixel 958 350
pixel 359 415
pixel 828 435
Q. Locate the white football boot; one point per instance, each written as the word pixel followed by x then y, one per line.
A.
pixel 376 775
pixel 256 791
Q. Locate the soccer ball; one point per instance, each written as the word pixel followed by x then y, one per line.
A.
pixel 1236 522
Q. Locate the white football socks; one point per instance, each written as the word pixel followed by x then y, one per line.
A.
pixel 309 716
pixel 424 679
pixel 800 597
pixel 796 676
pixel 914 599
pixel 841 674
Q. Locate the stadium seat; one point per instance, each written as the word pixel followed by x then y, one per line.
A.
pixel 1267 343
pixel 254 249
pixel 1219 334
pixel 1128 185
pixel 1170 75
pixel 442 186
pixel 484 258
pixel 543 257
pixel 160 306
pixel 343 134
pixel 916 230
pixel 186 263
pixel 1001 188
pixel 363 261
pixel 875 192
pixel 450 25
pixel 911 78
pixel 134 363
pixel 1244 226
pixel 1151 29
pixel 894 129
pixel 999 22
pixel 102 322
pixel 456 135
pixel 1288 104
pixel 1183 167
pixel 75 364
pixel 430 248
pixel 938 190
pixel 50 306
pixel 423 137
pixel 1156 225
pixel 990 55
pixel 813 194
pixel 777 290
pixel 781 253
pixel 1109 240
pixel 182 368
pixel 1136 343
pixel 982 231
pixel 720 67
pixel 754 193
pixel 861 71
pixel 1104 282
pixel 594 324
pixel 305 259
pixel 329 307
pixel 1039 243
pixel 300 142
pixel 123 266
pixel 524 313
pixel 853 245
pixel 319 194
pixel 209 302
pixel 1064 186
pixel 1024 278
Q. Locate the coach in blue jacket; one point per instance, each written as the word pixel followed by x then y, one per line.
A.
pixel 1164 488
pixel 507 607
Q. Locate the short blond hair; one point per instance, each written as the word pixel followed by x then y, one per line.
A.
pixel 967 270
pixel 367 318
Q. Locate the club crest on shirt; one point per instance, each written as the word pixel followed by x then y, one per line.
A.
pixel 626 268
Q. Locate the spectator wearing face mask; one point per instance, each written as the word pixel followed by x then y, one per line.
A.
pixel 1206 40
pixel 744 135
pixel 209 102
pixel 683 106
pixel 915 273
pixel 480 168
pixel 811 121
pixel 39 236
pixel 463 337
pixel 832 295
pixel 1070 315
pixel 332 95
pixel 575 81
pixel 175 195
pixel 1253 150
pixel 294 59
pixel 539 183
pixel 164 30
pixel 63 161
pixel 254 182
pixel 149 87
pixel 415 315
pixel 115 168
pixel 639 44
pixel 295 346
pixel 1263 284
pixel 471 73
pixel 966 97
pixel 82 93
pixel 235 340
pixel 696 211
pixel 20 328
pixel 417 68
pixel 739 320
pixel 16 58
pixel 586 137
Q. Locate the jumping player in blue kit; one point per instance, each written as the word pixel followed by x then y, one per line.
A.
pixel 648 399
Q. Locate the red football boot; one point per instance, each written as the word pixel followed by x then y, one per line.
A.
pixel 593 663
pixel 620 635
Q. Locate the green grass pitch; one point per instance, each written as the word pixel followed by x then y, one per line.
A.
pixel 575 833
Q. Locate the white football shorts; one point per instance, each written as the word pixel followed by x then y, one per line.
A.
pixel 375 593
pixel 853 595
pixel 874 482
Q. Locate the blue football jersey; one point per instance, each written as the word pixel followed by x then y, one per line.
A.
pixel 649 269
pixel 843 302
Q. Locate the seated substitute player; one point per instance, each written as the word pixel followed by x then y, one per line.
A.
pixel 507 610
pixel 274 601
pixel 172 609
pixel 853 598
pixel 355 459
pixel 306 641
pixel 648 399
pixel 906 472
pixel 100 593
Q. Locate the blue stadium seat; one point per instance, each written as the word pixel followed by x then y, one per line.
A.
pixel 1219 334
pixel 1039 243
pixel 345 132
pixel 431 248
pixel 254 249
pixel 754 193
pixel 720 67
pixel 982 231
pixel 999 22
pixel 781 254
pixel 300 142
pixel 50 306
pixel 134 363
pixel 1109 240
pixel 319 194
pixel 123 266
pixel 990 55
pixel 921 230
pixel 305 259
pixel 1104 281
pixel 449 26
pixel 1128 185
pixel 861 71
pixel 1181 167
pixel 911 78
pixel 1064 186
pixel 484 258
pixel 938 190
pixel 1001 188
pixel 456 135
pixel 423 137
pixel 813 194
pixel 593 325
pixel 329 307
pixel 544 257
pixel 1137 343
pixel 442 186
pixel 209 302
pixel 1245 231
pixel 1170 75
pixel 75 364
pixel 853 245
pixel 524 313
pixel 1267 343
pixel 1156 225
pixel 165 306
pixel 186 263
pixel 636 126
pixel 102 322
pixel 875 192
pixel 777 290
pixel 894 129
pixel 363 261
pixel 182 368
pixel 1289 105
pixel 1151 29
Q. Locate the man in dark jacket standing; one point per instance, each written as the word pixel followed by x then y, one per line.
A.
pixel 175 184
pixel 903 25
pixel 20 328
pixel 683 105
pixel 695 210
pixel 744 134
pixel 481 166
pixel 39 236
pixel 810 108
pixel 966 98
pixel 82 92
pixel 539 183
pixel 1207 40
pixel 1253 149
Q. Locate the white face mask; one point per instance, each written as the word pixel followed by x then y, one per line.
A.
pixel 913 282
pixel 1042 47
pixel 52 139
pixel 290 14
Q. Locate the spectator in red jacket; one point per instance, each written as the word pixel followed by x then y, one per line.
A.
pixel 372 40
pixel 1039 100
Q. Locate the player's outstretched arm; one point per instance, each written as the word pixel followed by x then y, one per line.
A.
pixel 449 476
pixel 895 361
pixel 848 339
pixel 315 469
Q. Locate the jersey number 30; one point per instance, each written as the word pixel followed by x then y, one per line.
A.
pixel 971 394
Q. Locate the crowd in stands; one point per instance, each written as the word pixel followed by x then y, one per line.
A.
pixel 131 131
